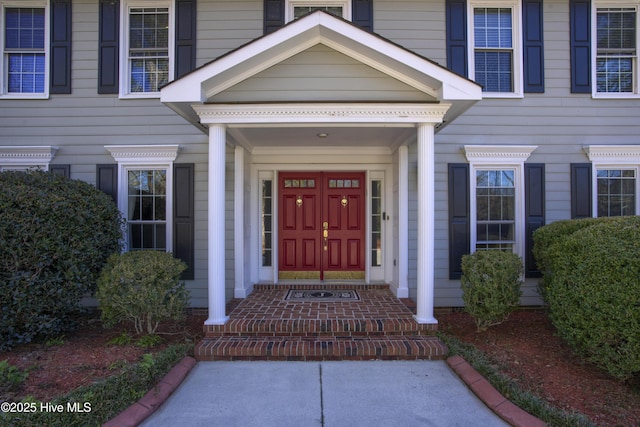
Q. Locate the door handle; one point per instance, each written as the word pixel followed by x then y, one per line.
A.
pixel 325 234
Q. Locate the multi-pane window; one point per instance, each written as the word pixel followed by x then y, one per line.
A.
pixel 616 54
pixel 616 192
pixel 147 209
pixel 493 48
pixel 376 223
pixel 299 11
pixel 298 8
pixel 267 223
pixel 148 48
pixel 24 47
pixel 495 192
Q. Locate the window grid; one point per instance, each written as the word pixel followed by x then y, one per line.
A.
pixel 147 209
pixel 299 11
pixel 267 223
pixel 148 49
pixel 616 192
pixel 376 223
pixel 25 50
pixel 493 43
pixel 495 209
pixel 616 54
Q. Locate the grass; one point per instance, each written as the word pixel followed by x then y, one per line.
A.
pixel 527 401
pixel 99 402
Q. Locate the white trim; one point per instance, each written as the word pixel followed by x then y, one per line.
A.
pixel 403 223
pixel 261 171
pixel 613 154
pixel 498 154
pixel 124 69
pixel 594 50
pixel 516 39
pixel 500 157
pixel 370 113
pixel 291 4
pixel 4 94
pixel 143 154
pixel 613 157
pixel 240 290
pixel 145 157
pixel 18 157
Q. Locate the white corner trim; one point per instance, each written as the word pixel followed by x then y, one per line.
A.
pixel 619 154
pixel 498 153
pixel 321 113
pixel 25 155
pixel 143 153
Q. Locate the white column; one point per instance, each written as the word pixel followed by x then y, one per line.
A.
pixel 426 223
pixel 238 220
pixel 403 222
pixel 216 226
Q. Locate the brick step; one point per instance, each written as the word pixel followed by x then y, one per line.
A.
pixel 321 348
pixel 319 327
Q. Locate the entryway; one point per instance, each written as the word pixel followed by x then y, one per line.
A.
pixel 322 225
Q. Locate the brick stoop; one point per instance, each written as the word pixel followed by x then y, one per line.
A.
pixel 264 326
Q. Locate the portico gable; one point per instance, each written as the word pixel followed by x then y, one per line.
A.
pixel 324 75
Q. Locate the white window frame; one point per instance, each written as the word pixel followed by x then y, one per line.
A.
pixel 595 5
pixel 605 157
pixel 291 4
pixel 145 157
pixel 499 157
pixel 23 158
pixel 516 35
pixel 125 65
pixel 4 90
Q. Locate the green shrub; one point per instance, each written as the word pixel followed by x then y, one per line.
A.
pixel 143 287
pixel 57 234
pixel 11 377
pixel 545 239
pixel 594 293
pixel 491 283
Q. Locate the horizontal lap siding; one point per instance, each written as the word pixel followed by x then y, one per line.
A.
pixel 320 73
pixel 558 122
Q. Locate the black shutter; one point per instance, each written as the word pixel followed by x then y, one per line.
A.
pixel 273 15
pixel 533 46
pixel 183 217
pixel 580 29
pixel 456 18
pixel 109 24
pixel 362 14
pixel 185 37
pixel 107 180
pixel 534 212
pixel 459 219
pixel 60 79
pixel 63 170
pixel 581 191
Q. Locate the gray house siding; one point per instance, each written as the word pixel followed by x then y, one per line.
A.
pixel 558 122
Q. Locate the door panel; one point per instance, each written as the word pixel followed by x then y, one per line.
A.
pixel 310 200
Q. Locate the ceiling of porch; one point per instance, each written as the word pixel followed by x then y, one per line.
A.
pixel 321 136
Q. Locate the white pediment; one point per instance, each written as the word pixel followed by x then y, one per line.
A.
pixel 430 81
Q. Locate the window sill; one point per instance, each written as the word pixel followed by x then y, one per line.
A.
pixel 505 95
pixel 150 95
pixel 598 95
pixel 25 96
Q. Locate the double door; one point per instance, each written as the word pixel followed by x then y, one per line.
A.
pixel 322 225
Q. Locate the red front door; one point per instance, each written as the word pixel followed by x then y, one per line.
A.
pixel 321 227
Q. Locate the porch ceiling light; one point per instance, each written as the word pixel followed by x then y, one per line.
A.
pixel 323 135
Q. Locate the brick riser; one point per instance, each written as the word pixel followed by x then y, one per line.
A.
pixel 263 327
pixel 317 328
pixel 321 348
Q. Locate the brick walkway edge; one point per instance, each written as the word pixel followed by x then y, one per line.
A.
pixel 490 396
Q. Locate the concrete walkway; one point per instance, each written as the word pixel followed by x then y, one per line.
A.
pixel 332 394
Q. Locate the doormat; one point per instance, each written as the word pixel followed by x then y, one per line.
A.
pixel 323 295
